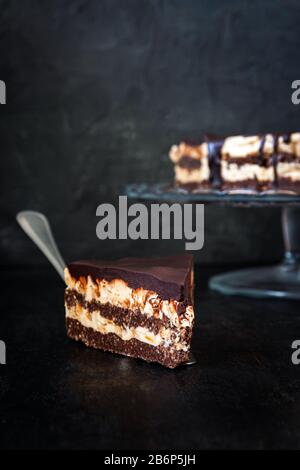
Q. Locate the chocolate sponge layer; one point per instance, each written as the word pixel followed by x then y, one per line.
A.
pixel 133 347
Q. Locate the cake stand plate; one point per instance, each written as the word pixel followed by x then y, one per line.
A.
pixel 280 281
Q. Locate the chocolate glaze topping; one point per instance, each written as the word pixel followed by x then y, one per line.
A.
pixel 169 277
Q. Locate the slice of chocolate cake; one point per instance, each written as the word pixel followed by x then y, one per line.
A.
pixel 139 307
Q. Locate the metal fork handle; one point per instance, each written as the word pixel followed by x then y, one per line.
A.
pixel 37 227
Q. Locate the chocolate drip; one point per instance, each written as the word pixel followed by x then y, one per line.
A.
pixel 214 161
pixel 286 137
pixel 261 157
pixel 275 159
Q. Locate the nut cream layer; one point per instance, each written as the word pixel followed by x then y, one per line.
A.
pixel 186 176
pixel 234 173
pixel 292 146
pixel 166 337
pixel 290 171
pixel 247 146
pixel 119 294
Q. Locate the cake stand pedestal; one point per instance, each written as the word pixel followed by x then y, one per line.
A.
pixel 279 281
pixel 282 280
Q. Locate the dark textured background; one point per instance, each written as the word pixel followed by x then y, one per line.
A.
pixel 97 91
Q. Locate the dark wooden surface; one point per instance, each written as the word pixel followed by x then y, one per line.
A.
pixel 56 393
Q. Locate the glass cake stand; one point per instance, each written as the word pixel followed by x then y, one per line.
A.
pixel 279 281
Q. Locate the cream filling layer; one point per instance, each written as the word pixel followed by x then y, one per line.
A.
pixel 233 173
pixel 289 170
pixel 292 147
pixel 196 175
pixel 119 294
pixel 240 146
pixel 104 325
pixel 245 146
